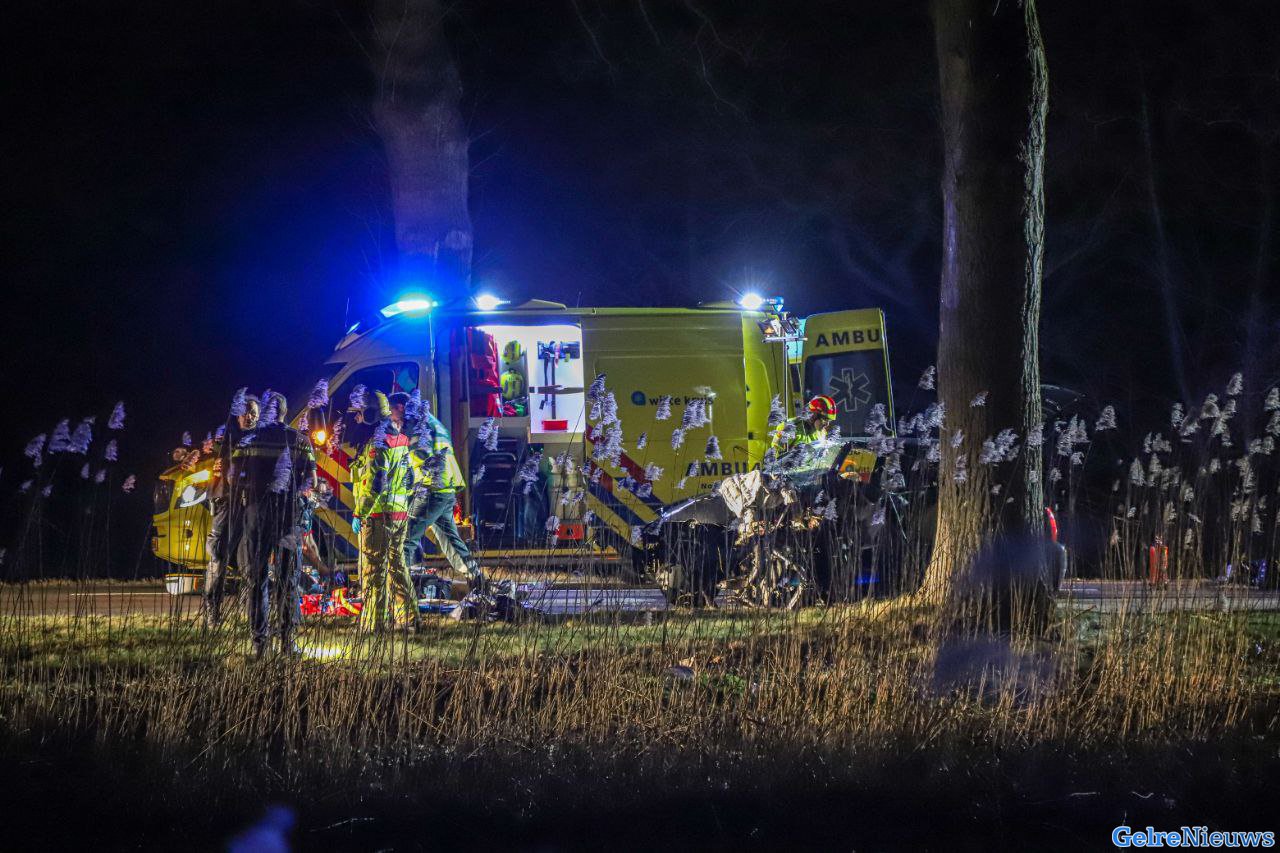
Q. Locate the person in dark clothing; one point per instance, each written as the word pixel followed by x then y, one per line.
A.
pixel 273 469
pixel 220 543
pixel 311 502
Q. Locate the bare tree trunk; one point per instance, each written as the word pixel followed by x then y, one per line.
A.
pixel 1164 267
pixel 994 85
pixel 417 114
pixel 1259 351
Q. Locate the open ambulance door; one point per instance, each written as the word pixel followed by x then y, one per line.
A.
pixel 525 377
pixel 846 357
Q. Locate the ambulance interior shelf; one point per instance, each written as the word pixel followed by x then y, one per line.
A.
pixel 539 378
pixel 538 390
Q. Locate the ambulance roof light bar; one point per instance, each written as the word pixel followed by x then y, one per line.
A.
pixel 752 301
pixel 408 304
pixel 489 302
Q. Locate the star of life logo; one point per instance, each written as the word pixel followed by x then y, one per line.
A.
pixel 850 391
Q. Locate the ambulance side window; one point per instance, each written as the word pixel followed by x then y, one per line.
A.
pixel 387 378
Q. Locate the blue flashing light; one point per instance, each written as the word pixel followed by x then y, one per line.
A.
pixel 409 304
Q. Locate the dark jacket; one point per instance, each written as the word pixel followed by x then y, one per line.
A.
pixel 255 461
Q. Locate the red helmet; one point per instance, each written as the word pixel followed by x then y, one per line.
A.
pixel 823 405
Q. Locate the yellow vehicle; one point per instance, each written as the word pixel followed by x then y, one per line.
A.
pixel 181 524
pixel 523 503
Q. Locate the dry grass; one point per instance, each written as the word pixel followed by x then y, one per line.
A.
pixel 849 679
pixel 711 696
pixel 696 715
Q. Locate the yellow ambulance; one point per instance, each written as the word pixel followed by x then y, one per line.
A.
pixel 512 383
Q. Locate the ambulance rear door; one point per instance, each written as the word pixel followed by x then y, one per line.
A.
pixel 845 356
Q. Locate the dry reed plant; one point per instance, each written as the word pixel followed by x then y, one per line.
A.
pixel 885 675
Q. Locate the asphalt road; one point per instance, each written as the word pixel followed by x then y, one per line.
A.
pixel 150 598
pixel 94 599
pixel 1111 596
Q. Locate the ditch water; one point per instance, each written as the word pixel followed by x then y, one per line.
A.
pixel 65 796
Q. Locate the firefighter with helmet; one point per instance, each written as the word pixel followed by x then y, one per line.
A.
pixel 437 481
pixel 382 485
pixel 809 428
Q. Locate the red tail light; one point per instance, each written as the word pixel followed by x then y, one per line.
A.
pixel 1053 524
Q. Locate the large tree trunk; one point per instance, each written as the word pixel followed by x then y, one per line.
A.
pixel 994 84
pixel 417 114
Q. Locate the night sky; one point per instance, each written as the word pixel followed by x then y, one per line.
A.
pixel 197 199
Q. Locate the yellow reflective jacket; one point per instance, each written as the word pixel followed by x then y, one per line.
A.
pixel 382 475
pixel 790 434
pixel 435 465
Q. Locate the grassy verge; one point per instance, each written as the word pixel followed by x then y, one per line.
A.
pixel 849 724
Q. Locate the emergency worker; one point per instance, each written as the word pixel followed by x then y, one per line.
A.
pixel 437 481
pixel 382 485
pixel 220 542
pixel 273 470
pixel 312 501
pixel 809 428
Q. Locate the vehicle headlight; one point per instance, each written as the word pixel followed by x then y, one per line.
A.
pixel 192 494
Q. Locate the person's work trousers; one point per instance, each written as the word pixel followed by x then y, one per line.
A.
pixel 385 583
pixel 434 511
pixel 216 551
pixel 264 520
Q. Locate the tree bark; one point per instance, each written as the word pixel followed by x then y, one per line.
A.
pixel 1174 333
pixel 417 112
pixel 994 97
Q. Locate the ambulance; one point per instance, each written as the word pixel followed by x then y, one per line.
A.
pixel 513 385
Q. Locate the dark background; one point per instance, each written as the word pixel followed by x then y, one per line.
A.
pixel 197 200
